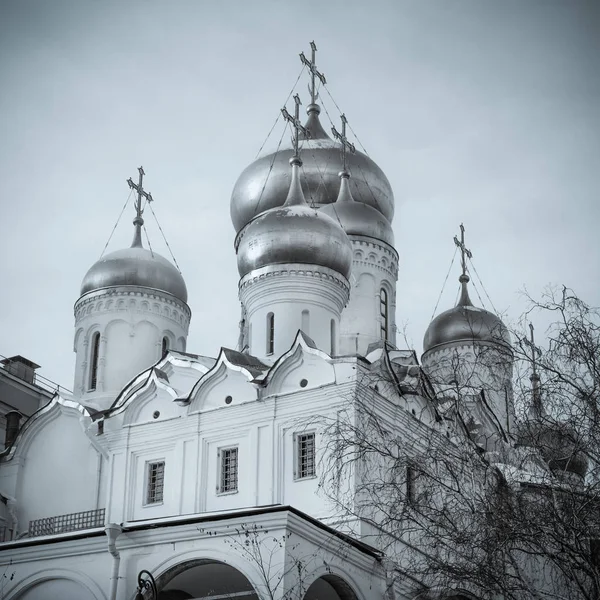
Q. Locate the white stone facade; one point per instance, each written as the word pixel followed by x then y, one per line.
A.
pixel 132 323
pixel 279 300
pixel 374 268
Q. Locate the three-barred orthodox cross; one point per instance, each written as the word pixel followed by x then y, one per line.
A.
pixel 341 137
pixel 141 193
pixel 295 121
pixel 464 252
pixel 312 67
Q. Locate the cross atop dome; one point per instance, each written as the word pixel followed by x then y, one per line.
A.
pixel 464 251
pixel 298 127
pixel 341 137
pixel 312 67
pixel 141 193
pixel 536 410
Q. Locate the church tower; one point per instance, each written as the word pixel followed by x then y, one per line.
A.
pixel 467 352
pixel 131 311
pixel 370 314
pixel 294 264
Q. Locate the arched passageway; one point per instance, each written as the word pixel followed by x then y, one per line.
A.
pixel 330 587
pixel 65 589
pixel 204 579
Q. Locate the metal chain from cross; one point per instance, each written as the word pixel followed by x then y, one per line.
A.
pixel 141 193
pixel 312 67
pixel 465 253
pixel 296 124
pixel 341 137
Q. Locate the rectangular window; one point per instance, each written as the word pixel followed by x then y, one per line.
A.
pixel 411 485
pixel 228 470
pixel 155 482
pixel 305 456
pixel 270 333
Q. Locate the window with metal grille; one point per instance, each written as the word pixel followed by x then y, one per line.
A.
pixel 305 456
pixel 383 311
pixel 165 345
pixel 155 482
pixel 228 470
pixel 94 360
pixel 411 485
pixel 270 333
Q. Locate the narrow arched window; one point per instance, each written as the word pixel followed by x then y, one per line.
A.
pixel 384 313
pixel 94 360
pixel 270 333
pixel 165 345
pixel 305 322
pixel 332 337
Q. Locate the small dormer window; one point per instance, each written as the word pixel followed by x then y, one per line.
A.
pixel 384 313
pixel 270 333
pixel 165 346
pixel 94 355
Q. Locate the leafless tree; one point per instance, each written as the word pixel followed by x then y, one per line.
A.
pixel 464 499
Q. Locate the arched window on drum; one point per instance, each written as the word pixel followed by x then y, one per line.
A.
pixel 94 357
pixel 384 310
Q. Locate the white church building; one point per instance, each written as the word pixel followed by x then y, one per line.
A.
pixel 211 473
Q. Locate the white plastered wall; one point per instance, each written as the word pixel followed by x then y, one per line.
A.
pixel 288 291
pixel 374 267
pixel 132 322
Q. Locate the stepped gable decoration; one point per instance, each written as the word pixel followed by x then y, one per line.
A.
pixel 465 323
pixel 264 183
pixel 136 266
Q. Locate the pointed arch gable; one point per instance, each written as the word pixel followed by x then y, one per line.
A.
pixel 36 422
pixel 181 372
pixel 302 366
pixel 228 382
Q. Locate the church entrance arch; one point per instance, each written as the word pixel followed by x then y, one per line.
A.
pixel 204 578
pixel 330 587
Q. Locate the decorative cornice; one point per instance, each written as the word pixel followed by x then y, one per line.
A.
pixel 295 270
pixel 371 246
pixel 103 301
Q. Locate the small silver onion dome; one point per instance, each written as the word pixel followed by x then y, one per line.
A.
pixel 357 218
pixel 465 323
pixel 135 266
pixel 558 444
pixel 293 233
pixel 265 182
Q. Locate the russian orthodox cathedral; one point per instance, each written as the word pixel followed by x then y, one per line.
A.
pixel 216 475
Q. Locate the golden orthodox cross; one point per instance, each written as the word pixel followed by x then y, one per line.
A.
pixel 312 67
pixel 141 193
pixel 464 252
pixel 295 121
pixel 341 137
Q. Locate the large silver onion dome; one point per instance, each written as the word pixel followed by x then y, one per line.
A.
pixel 264 183
pixel 293 233
pixel 465 323
pixel 135 266
pixel 357 218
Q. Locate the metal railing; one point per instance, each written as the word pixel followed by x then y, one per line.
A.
pixel 36 379
pixel 63 523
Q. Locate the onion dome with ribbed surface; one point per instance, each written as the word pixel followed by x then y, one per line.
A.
pixel 357 218
pixel 293 233
pixel 135 266
pixel 465 323
pixel 264 184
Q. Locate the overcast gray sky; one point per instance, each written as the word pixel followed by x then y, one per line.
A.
pixel 485 112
